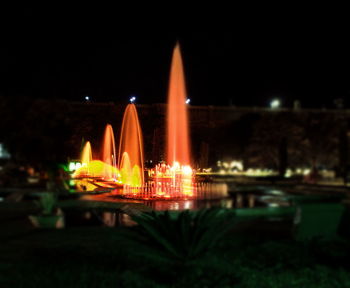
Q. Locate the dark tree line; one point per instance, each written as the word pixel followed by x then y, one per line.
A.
pixel 38 131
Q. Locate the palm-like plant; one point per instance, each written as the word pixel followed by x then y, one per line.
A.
pixel 181 239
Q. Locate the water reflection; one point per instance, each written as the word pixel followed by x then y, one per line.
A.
pixel 251 201
pixel 98 218
pixel 238 200
pixel 171 205
pixel 109 219
pixel 160 190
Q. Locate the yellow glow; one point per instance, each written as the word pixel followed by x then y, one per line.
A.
pixel 130 175
pixel 237 164
pixel 86 155
pixel 288 173
pixel 84 185
pixel 95 168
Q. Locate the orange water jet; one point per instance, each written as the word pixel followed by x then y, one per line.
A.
pixel 131 147
pixel 109 154
pixel 178 146
pixel 176 178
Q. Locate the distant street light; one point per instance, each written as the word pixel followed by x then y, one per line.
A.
pixel 132 99
pixel 188 100
pixel 87 98
pixel 275 103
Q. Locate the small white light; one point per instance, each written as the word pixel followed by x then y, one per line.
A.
pixel 187 205
pixel 87 98
pixel 186 170
pixel 132 99
pixel 188 100
pixel 71 166
pixel 306 171
pixel 275 103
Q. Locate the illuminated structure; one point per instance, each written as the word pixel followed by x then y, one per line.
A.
pixel 174 180
pixel 130 161
pixel 105 172
pixel 178 146
pixel 109 154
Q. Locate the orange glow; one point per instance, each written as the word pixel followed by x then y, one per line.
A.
pixel 105 171
pixel 108 153
pixel 173 181
pixel 176 179
pixel 177 121
pixel 130 160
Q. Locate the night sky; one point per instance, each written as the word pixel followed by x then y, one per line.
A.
pixel 229 59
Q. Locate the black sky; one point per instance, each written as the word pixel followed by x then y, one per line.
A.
pixel 109 55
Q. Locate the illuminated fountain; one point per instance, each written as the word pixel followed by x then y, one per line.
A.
pixel 91 171
pixel 178 146
pixel 109 154
pixel 130 161
pixel 174 180
pixel 86 159
pixel 99 170
pixel 105 172
pixel 86 155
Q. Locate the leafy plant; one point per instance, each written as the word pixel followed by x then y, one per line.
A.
pixel 182 238
pixel 47 202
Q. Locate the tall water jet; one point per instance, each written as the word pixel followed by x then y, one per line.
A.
pixel 109 154
pixel 176 178
pixel 178 146
pixel 85 159
pixel 86 155
pixel 131 146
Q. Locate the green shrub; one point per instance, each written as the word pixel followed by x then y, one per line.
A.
pixel 47 203
pixel 186 237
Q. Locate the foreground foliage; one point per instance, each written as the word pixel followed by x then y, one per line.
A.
pixel 186 250
pixel 180 238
